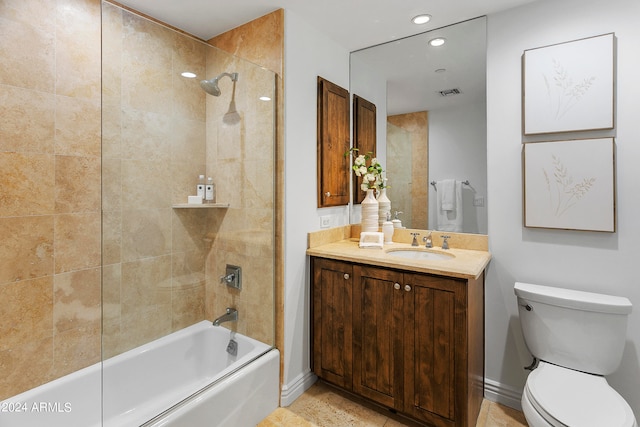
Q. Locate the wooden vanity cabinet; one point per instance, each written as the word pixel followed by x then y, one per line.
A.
pixel 417 340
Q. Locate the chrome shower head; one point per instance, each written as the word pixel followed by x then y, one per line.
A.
pixel 211 86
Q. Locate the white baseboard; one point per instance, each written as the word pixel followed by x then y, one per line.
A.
pixel 291 391
pixel 503 394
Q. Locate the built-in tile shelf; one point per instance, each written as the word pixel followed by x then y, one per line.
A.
pixel 201 206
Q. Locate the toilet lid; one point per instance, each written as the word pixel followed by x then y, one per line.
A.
pixel 570 398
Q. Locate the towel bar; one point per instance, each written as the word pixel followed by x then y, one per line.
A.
pixel 466 182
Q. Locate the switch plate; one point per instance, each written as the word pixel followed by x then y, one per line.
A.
pixel 325 221
pixel 478 201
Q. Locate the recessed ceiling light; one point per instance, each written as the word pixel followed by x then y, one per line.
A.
pixel 421 19
pixel 437 42
pixel 188 74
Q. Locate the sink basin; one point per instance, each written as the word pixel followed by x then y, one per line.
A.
pixel 420 254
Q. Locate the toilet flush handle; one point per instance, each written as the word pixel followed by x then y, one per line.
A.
pixel 526 307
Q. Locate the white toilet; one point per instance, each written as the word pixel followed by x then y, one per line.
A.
pixel 577 338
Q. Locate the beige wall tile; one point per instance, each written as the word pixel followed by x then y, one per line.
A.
pixel 28 120
pixel 27 248
pixel 27 52
pixel 77 126
pixel 75 349
pixel 26 365
pixel 77 241
pixel 111 237
pixel 77 59
pixel 77 184
pixel 26 184
pixel 145 184
pixel 146 233
pixel 76 299
pixel 26 311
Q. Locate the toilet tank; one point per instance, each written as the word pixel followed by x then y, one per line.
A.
pixel 578 330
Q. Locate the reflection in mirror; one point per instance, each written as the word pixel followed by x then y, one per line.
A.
pixel 431 122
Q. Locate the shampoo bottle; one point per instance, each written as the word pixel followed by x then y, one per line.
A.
pixel 209 194
pixel 200 187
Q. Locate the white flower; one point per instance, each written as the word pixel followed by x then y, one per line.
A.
pixel 362 171
pixel 364 186
pixel 359 161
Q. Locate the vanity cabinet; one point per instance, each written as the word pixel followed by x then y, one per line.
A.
pixel 409 341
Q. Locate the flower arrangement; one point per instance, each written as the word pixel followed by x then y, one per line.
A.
pixel 371 174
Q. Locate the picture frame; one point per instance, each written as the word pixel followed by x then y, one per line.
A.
pixel 570 185
pixel 569 87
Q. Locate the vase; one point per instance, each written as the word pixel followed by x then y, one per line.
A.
pixel 384 206
pixel 369 212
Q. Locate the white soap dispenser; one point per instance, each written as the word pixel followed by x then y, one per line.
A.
pixel 396 221
pixel 387 229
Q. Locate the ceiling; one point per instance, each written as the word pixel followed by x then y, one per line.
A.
pixel 353 24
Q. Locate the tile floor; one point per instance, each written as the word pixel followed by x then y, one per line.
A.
pixel 325 406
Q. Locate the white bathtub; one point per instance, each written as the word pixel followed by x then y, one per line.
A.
pixel 151 385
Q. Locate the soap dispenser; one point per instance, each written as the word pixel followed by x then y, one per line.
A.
pixel 396 221
pixel 387 229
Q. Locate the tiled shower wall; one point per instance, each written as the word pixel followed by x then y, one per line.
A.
pixel 416 127
pixel 49 190
pixel 161 265
pixel 153 149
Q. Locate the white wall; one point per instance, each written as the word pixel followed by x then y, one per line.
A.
pixel 457 149
pixel 308 54
pixel 597 262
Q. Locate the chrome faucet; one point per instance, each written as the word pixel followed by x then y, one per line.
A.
pixel 427 241
pixel 415 239
pixel 229 316
pixel 445 243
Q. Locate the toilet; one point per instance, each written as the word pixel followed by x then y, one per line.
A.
pixel 576 338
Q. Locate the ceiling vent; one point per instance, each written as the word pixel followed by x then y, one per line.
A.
pixel 450 92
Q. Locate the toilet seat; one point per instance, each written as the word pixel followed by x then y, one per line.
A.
pixel 564 397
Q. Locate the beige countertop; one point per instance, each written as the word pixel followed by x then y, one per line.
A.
pixel 463 263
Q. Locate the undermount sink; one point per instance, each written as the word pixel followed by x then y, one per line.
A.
pixel 420 254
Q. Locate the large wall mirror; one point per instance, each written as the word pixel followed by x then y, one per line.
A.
pixel 431 124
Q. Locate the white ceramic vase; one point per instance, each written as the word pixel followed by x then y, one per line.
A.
pixel 369 212
pixel 384 206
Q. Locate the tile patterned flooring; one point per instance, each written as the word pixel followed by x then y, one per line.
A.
pixel 325 406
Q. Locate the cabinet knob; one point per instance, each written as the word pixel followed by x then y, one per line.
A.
pixel 396 285
pixel 407 288
pixel 346 276
pixel 328 194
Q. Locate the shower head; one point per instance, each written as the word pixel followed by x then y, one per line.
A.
pixel 211 86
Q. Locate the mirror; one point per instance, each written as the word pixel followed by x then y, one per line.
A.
pixel 431 122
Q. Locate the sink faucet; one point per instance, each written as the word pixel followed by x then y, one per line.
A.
pixel 427 241
pixel 229 316
pixel 445 244
pixel 415 239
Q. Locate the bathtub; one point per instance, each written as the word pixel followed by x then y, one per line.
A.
pixel 186 378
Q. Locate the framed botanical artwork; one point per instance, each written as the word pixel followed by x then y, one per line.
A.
pixel 569 86
pixel 570 184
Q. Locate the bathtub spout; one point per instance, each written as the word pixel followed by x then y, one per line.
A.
pixel 230 315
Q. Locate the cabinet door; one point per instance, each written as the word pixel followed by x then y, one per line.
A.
pixel 333 143
pixel 377 335
pixel 332 358
pixel 432 308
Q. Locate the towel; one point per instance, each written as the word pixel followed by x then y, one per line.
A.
pixel 450 220
pixel 447 194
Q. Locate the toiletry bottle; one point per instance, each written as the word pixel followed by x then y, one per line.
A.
pixel 200 187
pixel 387 229
pixel 396 221
pixel 208 191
